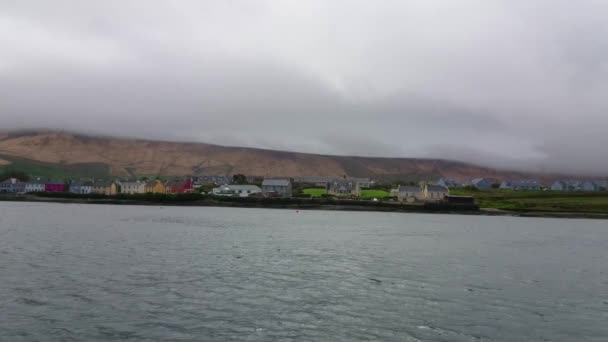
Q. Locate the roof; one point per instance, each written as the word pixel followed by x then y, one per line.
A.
pixel 436 188
pixel 523 182
pixel 477 180
pixel 409 188
pixel 233 187
pixel 340 181
pixel 132 183
pixel 104 184
pixel 153 183
pixel 276 182
pixel 177 182
pixel 448 182
pixel 360 180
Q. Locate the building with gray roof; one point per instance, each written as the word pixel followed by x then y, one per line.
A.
pixel 279 187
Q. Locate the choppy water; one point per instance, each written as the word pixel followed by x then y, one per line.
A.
pixel 94 272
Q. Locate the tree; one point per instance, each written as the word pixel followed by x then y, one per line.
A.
pixel 239 179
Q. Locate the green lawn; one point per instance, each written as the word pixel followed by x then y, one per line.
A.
pixel 314 192
pixel 551 201
pixel 370 194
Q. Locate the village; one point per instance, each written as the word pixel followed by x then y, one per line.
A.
pixel 281 187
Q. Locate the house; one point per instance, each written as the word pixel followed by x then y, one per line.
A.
pixel 237 190
pixel 179 186
pixel 559 186
pixel 12 185
pixel 316 181
pixel 51 186
pixel 34 186
pixel 528 184
pixel 481 184
pixel 137 187
pixel 277 187
pixel 589 186
pixel 199 181
pixel 410 194
pixel 448 183
pixel 574 185
pixel 83 188
pixel 343 187
pixel 602 185
pixel 434 193
pixel 364 183
pixel 156 187
pixel 108 188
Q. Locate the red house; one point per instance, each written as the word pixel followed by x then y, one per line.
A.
pixel 54 187
pixel 180 186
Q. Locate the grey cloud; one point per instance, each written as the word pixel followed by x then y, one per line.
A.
pixel 513 84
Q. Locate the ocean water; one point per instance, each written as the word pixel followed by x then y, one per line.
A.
pixel 73 272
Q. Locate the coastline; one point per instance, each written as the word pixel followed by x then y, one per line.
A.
pixel 310 205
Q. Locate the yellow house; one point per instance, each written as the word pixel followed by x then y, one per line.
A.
pixel 155 186
pixel 105 188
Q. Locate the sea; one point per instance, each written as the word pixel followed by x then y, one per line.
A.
pixel 88 272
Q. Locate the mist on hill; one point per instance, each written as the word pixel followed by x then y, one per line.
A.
pixel 508 84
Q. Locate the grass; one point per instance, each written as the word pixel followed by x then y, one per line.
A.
pixel 370 194
pixel 547 201
pixel 55 171
pixel 314 192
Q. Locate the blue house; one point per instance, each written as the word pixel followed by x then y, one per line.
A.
pixel 481 184
pixel 12 185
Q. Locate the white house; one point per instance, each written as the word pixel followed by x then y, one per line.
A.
pixel 449 183
pixel 434 193
pixel 344 187
pixel 528 184
pixel 34 186
pixel 558 186
pixel 83 188
pixel 12 185
pixel 237 190
pixel 364 183
pixel 137 187
pixel 574 185
pixel 410 194
pixel 589 186
pixel 481 183
pixel 277 187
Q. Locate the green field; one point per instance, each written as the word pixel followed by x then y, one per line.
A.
pixel 55 171
pixel 371 194
pixel 546 201
pixel 314 192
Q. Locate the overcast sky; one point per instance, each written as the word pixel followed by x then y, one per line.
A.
pixel 520 84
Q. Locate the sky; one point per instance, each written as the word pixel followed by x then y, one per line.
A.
pixel 513 84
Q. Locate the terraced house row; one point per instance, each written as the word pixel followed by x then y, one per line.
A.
pixel 13 185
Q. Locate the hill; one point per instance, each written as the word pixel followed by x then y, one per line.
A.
pixel 57 154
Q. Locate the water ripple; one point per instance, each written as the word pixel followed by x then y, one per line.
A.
pixel 195 274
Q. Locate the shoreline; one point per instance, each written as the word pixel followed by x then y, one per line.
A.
pixel 375 207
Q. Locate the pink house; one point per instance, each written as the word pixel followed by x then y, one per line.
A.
pixel 54 187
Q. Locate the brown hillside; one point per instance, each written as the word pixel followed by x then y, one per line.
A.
pixel 127 157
